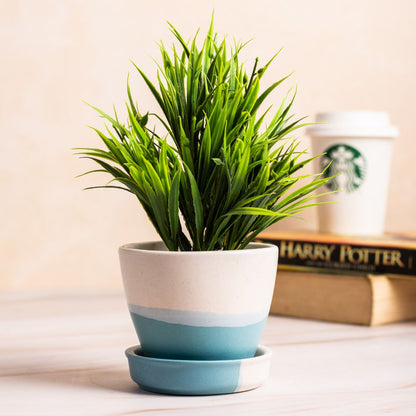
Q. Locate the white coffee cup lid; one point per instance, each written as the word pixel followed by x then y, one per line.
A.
pixel 353 124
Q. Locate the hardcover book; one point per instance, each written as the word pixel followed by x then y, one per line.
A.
pixel 390 254
pixel 355 299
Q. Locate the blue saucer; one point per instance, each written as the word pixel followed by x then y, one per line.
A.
pixel 191 377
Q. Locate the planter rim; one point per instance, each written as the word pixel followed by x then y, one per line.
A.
pixel 158 247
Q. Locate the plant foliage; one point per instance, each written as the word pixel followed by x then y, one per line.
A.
pixel 223 179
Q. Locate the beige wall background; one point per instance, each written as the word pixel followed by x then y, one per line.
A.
pixel 354 54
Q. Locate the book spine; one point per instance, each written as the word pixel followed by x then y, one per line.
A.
pixel 320 256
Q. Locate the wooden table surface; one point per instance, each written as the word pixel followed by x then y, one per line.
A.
pixel 63 354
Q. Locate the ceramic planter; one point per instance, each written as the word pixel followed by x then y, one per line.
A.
pixel 209 305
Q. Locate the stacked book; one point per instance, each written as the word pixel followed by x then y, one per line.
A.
pixel 356 280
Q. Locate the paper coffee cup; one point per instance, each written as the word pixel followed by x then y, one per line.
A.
pixel 358 144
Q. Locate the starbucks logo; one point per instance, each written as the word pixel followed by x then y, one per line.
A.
pixel 349 163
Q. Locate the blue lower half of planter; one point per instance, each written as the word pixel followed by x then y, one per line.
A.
pixel 171 340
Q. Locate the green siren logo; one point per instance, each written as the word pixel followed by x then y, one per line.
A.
pixel 348 163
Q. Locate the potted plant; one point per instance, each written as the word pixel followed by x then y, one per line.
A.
pixel 210 183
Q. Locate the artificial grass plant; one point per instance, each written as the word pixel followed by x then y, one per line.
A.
pixel 218 176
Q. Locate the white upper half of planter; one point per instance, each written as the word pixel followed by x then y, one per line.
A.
pixel 213 282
